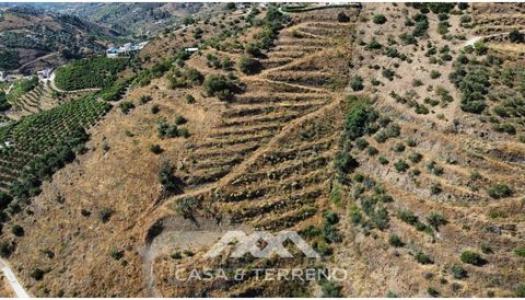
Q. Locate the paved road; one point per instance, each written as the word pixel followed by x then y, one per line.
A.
pixel 15 285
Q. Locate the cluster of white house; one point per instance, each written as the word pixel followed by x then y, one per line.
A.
pixel 43 75
pixel 125 49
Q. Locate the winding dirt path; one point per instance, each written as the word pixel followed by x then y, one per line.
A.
pixel 37 59
pixel 55 88
pixel 474 40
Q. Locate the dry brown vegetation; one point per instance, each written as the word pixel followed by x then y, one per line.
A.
pixel 429 181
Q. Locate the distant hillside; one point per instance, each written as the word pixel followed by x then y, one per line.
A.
pixel 131 19
pixel 31 37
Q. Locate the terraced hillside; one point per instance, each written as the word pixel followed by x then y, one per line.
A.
pixel 266 164
pixel 389 136
pixel 492 19
pixel 39 144
pixel 450 170
pixel 38 99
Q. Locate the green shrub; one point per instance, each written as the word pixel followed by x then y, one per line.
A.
pixel 331 217
pixel 401 166
pixel 105 214
pixel 379 19
pixel 5 200
pixel 358 119
pixel 37 274
pixel 383 160
pixel 380 218
pixel 4 105
pixel 520 291
pixel 505 127
pixel 342 17
pixel 220 86
pixel 399 147
pixel 443 17
pixel 434 74
pixel 395 241
pixel 374 45
pixel 463 5
pixel 423 258
pixel 166 130
pixel 167 178
pixel 249 65
pixel 116 254
pixel 156 149
pixel 436 219
pixel 516 36
pixel 408 217
pixel 253 50
pixel 432 292
pixel 190 99
pixel 421 26
pixel 17 230
pixel 6 249
pixel 331 289
pixel 391 294
pixel 361 143
pixel 435 169
pixel 480 48
pixel 443 27
pixel 458 272
pixel 388 73
pixel 355 215
pixel 183 132
pixel 421 109
pixel 155 109
pixel 345 163
pixel 227 64
pixel 145 99
pixel 415 157
pixel 184 77
pixel 357 83
pixel 473 258
pixel 407 39
pixel 520 251
pixel 435 189
pixel 179 120
pixel 126 107
pixel 372 151
pixel 498 191
pixel 440 7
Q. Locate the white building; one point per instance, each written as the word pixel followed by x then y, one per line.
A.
pixel 191 50
pixel 44 74
pixel 6 144
pixel 112 52
pixel 124 49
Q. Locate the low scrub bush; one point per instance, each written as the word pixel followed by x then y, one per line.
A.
pixel 473 258
pixel 498 191
pixel 221 87
pixel 379 19
pixel 249 65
